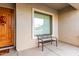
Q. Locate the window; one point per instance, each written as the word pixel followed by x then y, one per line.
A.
pixel 42 24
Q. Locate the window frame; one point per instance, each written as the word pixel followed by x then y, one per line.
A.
pixel 44 13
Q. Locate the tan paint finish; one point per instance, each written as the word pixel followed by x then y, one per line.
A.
pixel 75 5
pixel 57 6
pixel 8 5
pixel 24 18
pixel 69 26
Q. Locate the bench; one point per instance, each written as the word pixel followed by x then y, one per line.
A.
pixel 42 39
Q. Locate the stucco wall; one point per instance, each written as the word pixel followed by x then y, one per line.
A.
pixel 24 38
pixel 69 26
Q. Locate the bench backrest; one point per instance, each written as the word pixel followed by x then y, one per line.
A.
pixel 44 36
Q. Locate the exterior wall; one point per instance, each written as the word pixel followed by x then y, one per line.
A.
pixel 69 26
pixel 24 14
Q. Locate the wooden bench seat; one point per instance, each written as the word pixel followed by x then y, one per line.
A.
pixel 46 41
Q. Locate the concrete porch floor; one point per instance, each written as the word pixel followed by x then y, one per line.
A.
pixel 63 49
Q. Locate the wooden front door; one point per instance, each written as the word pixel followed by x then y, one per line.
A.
pixel 6 27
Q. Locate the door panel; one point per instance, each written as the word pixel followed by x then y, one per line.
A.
pixel 6 27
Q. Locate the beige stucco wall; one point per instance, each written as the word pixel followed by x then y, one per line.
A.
pixel 24 38
pixel 69 26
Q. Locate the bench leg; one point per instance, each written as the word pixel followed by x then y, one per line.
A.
pixel 42 46
pixel 38 44
pixel 51 42
pixel 56 43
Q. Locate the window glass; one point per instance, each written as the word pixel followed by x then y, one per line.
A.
pixel 42 24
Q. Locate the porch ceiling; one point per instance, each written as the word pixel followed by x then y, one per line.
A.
pixel 75 5
pixel 57 6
